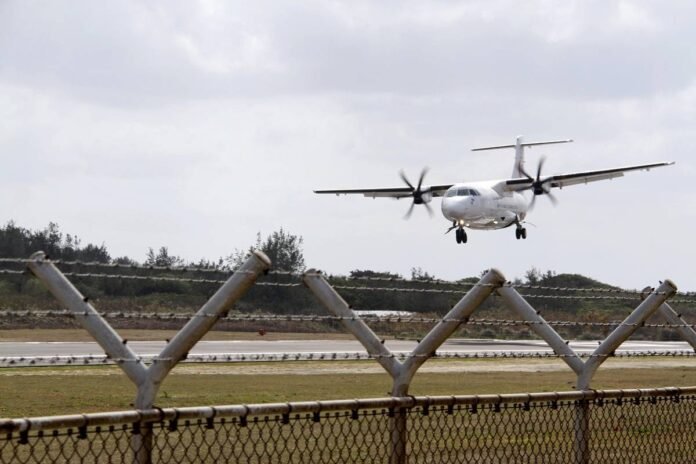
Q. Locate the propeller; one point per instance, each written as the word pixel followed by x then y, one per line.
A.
pixel 420 196
pixel 539 186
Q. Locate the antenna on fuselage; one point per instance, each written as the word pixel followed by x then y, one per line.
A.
pixel 519 145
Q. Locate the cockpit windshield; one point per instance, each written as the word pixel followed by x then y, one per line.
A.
pixel 462 192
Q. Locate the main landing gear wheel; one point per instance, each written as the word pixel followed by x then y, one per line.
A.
pixel 461 236
pixel 521 233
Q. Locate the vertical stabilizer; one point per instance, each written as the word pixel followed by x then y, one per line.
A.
pixel 519 158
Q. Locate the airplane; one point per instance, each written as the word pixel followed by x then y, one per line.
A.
pixel 492 204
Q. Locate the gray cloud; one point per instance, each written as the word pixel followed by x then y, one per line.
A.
pixel 196 124
pixel 154 53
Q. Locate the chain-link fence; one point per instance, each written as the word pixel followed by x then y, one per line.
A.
pixel 625 426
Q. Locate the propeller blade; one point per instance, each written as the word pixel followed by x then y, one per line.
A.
pixel 540 187
pixel 403 177
pixel 430 210
pixel 420 180
pixel 410 210
pixel 416 193
pixel 539 167
pixel 531 203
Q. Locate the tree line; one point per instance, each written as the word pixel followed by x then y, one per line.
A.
pixel 286 252
pixel 284 249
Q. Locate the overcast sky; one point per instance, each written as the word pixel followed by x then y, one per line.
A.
pixel 197 124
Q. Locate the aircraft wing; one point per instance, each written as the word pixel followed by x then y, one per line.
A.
pixel 396 192
pixel 564 180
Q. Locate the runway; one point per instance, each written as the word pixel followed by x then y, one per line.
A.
pixel 456 345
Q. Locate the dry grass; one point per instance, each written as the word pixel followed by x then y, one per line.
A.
pixel 50 391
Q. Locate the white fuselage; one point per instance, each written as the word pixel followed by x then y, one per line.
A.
pixel 476 205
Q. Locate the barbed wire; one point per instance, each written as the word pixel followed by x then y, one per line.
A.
pixel 11 272
pixel 329 277
pixel 161 316
pixel 174 279
pixel 66 360
pixel 525 295
pixel 59 262
pixel 137 266
pixel 343 287
pixel 506 284
pixel 471 284
pixel 336 287
pixel 601 290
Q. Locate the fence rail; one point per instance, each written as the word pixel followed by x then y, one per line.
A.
pixel 631 426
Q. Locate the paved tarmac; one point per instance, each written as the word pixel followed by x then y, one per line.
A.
pixel 145 348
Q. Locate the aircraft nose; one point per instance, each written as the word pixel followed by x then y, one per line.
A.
pixel 446 206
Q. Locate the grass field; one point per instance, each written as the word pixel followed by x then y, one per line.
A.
pixel 70 390
pixel 627 434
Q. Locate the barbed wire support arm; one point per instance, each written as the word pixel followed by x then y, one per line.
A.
pixel 673 318
pixel 110 341
pixel 652 303
pixel 444 329
pixel 337 306
pixel 149 379
pixel 538 324
pixel 402 373
pixel 216 307
pixel 619 335
pixel 178 347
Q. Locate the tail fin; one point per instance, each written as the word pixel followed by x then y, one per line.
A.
pixel 519 152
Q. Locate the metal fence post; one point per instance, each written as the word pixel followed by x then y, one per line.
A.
pixel 610 344
pixel 428 347
pixel 402 373
pixel 373 345
pixel 185 339
pixel 149 379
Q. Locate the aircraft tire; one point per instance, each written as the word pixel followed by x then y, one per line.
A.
pixel 524 234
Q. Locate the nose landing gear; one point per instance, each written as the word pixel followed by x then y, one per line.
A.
pixel 459 232
pixel 460 235
pixel 520 232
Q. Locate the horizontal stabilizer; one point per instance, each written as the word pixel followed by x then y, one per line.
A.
pixel 525 144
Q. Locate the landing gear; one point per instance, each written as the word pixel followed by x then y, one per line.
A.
pixel 520 233
pixel 460 235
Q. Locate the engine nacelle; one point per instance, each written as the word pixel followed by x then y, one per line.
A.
pixel 422 196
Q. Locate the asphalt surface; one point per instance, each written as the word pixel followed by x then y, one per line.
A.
pixel 144 348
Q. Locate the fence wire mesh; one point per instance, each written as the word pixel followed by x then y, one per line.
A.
pixel 636 426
